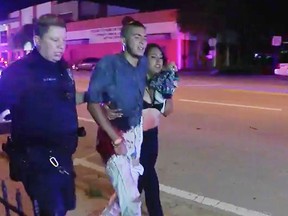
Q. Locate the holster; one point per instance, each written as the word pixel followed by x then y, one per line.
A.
pixel 18 163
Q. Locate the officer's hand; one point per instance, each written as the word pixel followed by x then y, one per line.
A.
pixel 111 114
pixel 5 116
pixel 120 149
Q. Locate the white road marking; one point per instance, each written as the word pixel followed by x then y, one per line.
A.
pixel 185 194
pixel 176 192
pixel 86 119
pixel 257 92
pixel 90 155
pixel 198 85
pixel 87 164
pixel 232 105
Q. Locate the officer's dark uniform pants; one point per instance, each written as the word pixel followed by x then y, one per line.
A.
pixel 149 180
pixel 52 193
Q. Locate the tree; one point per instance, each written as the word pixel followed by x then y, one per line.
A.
pixel 201 16
pixel 203 19
pixel 254 22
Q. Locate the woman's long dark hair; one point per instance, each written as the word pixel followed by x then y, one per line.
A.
pixel 154 45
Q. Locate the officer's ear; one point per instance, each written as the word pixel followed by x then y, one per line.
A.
pixel 36 39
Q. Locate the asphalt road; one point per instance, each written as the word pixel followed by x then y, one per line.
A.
pixel 225 145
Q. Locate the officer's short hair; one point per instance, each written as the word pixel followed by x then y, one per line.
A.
pixel 43 23
pixel 128 25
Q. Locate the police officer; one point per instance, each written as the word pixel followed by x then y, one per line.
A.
pixel 40 92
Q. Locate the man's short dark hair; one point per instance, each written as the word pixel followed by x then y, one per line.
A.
pixel 42 24
pixel 130 24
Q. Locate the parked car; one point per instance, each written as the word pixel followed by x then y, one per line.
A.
pixel 86 64
pixel 281 69
pixel 282 66
pixel 264 63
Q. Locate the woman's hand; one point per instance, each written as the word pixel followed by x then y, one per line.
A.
pixel 171 66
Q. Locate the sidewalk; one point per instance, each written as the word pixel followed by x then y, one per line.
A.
pixel 97 183
pixel 86 206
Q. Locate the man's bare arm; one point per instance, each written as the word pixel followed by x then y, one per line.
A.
pixel 100 118
pixel 169 107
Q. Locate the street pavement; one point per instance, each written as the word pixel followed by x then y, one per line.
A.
pixel 222 152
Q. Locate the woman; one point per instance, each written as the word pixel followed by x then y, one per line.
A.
pixel 161 83
pixel 156 103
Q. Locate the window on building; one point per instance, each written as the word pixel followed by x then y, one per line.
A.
pixel 164 36
pixel 3 37
pixel 4 56
pixel 77 41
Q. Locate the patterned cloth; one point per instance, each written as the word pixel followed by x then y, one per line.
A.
pixel 164 82
pixel 132 139
pixel 123 172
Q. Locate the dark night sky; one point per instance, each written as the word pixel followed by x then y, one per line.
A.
pixel 271 13
pixel 7 6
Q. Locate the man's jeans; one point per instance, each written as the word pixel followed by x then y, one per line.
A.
pixel 124 172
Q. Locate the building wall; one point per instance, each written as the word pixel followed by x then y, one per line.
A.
pixel 27 16
pixel 99 37
pixel 148 17
pixel 75 53
pixel 15 24
pixel 19 19
pixel 66 8
pixel 42 9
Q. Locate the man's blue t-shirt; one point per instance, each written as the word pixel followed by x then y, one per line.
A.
pixel 116 81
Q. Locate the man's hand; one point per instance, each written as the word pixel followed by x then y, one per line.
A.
pixel 119 146
pixel 98 114
pixel 111 114
pixel 120 149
